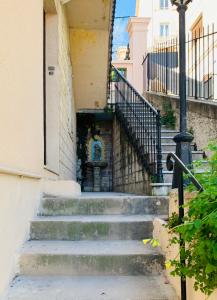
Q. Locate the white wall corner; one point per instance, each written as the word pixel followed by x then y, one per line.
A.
pixel 138 24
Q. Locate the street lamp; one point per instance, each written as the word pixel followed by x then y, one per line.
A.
pixel 183 139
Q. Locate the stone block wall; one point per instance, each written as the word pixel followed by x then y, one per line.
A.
pixel 67 130
pixel 103 130
pixel 202 116
pixel 128 172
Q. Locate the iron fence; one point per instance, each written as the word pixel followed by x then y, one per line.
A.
pixel 161 66
pixel 140 121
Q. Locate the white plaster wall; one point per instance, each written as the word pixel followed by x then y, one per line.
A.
pixel 151 9
pixel 138 29
pixel 19 202
pixel 126 64
pixel 67 106
pixel 89 55
pixel 205 7
pixel 21 123
pixel 21 84
pixel 52 93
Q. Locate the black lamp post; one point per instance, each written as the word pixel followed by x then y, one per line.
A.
pixel 183 139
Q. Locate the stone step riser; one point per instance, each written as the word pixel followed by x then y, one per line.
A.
pixel 153 130
pixel 195 156
pixel 172 148
pixel 104 206
pixel 80 265
pixel 77 231
pixel 168 140
pixel 168 133
pixel 168 178
pixel 200 169
pixel 161 189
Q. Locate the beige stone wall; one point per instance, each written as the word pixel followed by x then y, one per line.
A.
pixel 67 106
pixel 171 252
pixel 21 124
pixel 202 116
pixel 90 64
pixel 19 202
pixel 128 174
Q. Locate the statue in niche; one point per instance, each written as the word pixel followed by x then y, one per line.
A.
pixel 97 151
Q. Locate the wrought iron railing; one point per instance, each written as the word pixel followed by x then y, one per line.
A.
pixel 141 123
pixel 161 69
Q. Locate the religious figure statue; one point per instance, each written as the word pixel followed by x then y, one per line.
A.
pixel 97 154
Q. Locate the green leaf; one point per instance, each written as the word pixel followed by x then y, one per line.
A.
pixel 210 269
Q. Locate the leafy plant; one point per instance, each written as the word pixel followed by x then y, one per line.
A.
pixel 153 242
pixel 199 231
pixel 168 119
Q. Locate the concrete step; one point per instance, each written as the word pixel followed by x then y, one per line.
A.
pixel 104 205
pixel 171 147
pixel 202 168
pixel 91 288
pixel 159 189
pixel 141 125
pixel 167 139
pixel 164 133
pixel 104 227
pixel 196 155
pixel 89 258
pixel 168 176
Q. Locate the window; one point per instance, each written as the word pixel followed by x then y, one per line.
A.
pixel 164 30
pixel 164 4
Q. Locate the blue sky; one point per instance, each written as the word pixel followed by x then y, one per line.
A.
pixel 123 8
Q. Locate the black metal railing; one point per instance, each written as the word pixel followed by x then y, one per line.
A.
pixel 141 123
pixel 161 69
pixel 174 163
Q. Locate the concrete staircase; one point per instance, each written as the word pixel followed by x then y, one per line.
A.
pixel 90 248
pixel 168 145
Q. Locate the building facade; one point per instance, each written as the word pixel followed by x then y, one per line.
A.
pixel 54 63
pixel 163 20
pixel 137 29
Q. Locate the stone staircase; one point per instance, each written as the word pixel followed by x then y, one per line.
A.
pixel 168 145
pixel 90 248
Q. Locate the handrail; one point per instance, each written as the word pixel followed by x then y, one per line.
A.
pixel 170 166
pixel 141 122
pixel 179 169
pixel 144 58
pixel 135 91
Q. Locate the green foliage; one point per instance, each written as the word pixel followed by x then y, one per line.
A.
pixel 168 119
pixel 153 242
pixel 173 221
pixel 199 231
